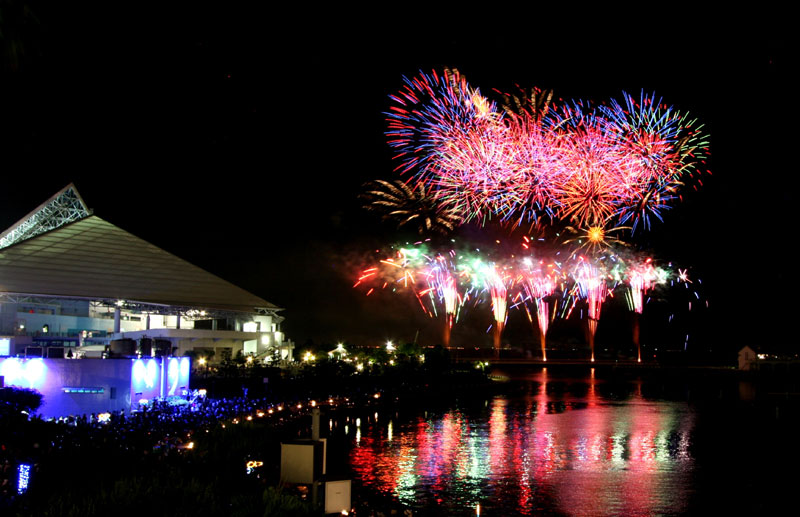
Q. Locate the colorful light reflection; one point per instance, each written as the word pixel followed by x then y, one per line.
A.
pixel 575 453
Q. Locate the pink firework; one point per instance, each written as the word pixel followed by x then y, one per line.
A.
pixel 497 290
pixel 640 279
pixel 586 165
pixel 446 287
pixel 591 285
pixel 539 284
pixel 476 175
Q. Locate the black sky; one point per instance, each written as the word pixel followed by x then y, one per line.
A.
pixel 238 139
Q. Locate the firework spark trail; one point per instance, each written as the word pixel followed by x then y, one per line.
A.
pixel 498 292
pixel 428 111
pixel 590 283
pixel 439 275
pixel 664 143
pixel 444 282
pixel 577 163
pixel 474 176
pixel 409 205
pixel 539 285
pixel 589 171
pixel 640 279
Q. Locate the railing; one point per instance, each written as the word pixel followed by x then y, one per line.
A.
pixel 39 333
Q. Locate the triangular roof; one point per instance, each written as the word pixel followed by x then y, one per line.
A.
pixel 63 207
pixel 92 258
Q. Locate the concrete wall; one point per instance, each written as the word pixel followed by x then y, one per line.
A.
pixel 218 345
pixel 112 375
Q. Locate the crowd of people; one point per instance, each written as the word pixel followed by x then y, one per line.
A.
pixel 160 428
pixel 160 436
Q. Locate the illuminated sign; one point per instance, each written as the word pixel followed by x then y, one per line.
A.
pixel 66 389
pixel 23 477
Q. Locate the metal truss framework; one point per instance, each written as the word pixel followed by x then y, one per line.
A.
pixel 185 312
pixel 64 207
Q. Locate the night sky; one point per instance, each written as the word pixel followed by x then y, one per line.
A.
pixel 239 140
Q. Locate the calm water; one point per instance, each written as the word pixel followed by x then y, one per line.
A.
pixel 577 445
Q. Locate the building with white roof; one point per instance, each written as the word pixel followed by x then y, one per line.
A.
pixel 73 284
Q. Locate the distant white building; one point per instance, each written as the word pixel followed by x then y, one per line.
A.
pixel 770 359
pixel 747 358
pixel 73 284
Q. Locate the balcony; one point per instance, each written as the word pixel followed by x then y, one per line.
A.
pixel 167 333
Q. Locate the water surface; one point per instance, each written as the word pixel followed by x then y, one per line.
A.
pixel 561 444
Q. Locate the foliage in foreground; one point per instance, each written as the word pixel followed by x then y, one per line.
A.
pixel 15 400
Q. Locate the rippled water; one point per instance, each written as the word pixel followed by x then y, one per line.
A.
pixel 563 446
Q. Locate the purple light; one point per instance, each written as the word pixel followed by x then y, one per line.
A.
pixel 146 381
pixel 35 371
pixel 23 373
pixel 139 371
pixel 186 367
pixel 11 369
pixel 152 373
pixel 173 371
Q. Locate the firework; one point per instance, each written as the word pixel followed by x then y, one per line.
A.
pixel 409 206
pixel 431 277
pixel 430 110
pixel 584 165
pixel 497 288
pixel 662 145
pixel 443 281
pixel 440 276
pixel 640 279
pixel 539 284
pixel 593 240
pixel 590 283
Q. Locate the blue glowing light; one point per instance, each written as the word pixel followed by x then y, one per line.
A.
pixel 173 371
pixel 146 379
pixel 11 369
pixel 186 367
pixel 82 390
pixel 34 371
pixel 152 373
pixel 139 371
pixel 154 378
pixel 23 477
pixel 145 373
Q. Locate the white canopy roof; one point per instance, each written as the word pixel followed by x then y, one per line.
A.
pixel 92 258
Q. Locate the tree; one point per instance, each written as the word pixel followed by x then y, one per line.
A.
pixel 13 401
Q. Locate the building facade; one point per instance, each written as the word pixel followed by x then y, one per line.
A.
pixel 73 285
